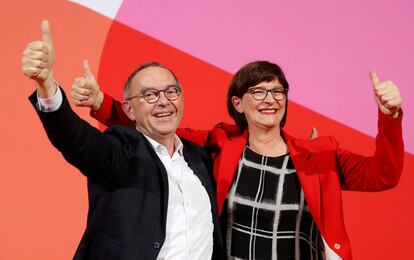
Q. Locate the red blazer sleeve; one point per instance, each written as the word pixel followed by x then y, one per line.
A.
pixel 381 171
pixel 211 140
pixel 111 113
pixel 199 137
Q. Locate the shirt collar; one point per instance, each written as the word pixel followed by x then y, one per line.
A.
pixel 178 144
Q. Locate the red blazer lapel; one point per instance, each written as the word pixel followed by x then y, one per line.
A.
pixel 226 164
pixel 231 151
pixel 306 170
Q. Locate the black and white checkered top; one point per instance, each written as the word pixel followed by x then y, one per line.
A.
pixel 267 216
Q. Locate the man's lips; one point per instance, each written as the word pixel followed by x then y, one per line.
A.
pixel 163 114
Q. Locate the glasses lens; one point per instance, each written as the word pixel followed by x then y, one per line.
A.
pixel 172 93
pixel 150 95
pixel 258 93
pixel 261 93
pixel 278 94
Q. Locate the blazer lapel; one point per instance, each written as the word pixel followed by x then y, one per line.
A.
pixel 163 175
pixel 198 167
pixel 306 170
pixel 225 166
pixel 200 170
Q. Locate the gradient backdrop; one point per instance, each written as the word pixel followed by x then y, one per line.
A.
pixel 325 47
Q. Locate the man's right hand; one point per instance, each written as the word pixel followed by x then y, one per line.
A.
pixel 85 90
pixel 37 62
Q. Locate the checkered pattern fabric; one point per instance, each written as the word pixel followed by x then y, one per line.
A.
pixel 267 216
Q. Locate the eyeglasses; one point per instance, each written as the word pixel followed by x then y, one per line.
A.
pixel 152 95
pixel 261 93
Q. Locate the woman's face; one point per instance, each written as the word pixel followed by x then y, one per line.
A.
pixel 266 113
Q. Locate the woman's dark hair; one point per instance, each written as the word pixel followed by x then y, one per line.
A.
pixel 249 76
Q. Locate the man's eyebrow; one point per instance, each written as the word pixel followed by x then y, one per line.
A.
pixel 143 89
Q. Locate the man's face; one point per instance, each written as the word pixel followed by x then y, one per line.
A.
pixel 160 119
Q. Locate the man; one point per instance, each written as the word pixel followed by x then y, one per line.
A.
pixel 150 193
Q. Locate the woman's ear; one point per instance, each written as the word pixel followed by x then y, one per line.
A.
pixel 128 110
pixel 237 104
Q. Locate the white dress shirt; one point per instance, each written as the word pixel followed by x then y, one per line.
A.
pixel 189 233
pixel 189 228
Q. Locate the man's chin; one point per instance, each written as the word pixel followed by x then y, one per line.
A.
pixel 166 131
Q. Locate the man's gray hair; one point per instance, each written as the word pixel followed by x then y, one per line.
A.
pixel 127 85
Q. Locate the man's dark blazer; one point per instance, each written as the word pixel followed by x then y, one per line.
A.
pixel 127 185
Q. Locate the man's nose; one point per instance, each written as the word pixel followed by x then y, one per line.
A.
pixel 163 98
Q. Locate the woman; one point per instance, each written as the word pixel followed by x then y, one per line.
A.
pixel 280 197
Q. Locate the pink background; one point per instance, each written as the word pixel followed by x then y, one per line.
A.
pixel 326 47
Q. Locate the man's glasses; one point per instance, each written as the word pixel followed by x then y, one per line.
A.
pixel 152 95
pixel 260 93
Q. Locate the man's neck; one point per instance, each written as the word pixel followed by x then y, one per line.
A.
pixel 167 140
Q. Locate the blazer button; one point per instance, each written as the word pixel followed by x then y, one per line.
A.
pixel 337 246
pixel 156 245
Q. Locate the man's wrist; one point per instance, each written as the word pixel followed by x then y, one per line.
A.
pixel 52 103
pixel 47 88
pixel 97 105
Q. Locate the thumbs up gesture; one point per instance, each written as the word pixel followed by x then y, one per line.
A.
pixel 387 95
pixel 38 59
pixel 85 90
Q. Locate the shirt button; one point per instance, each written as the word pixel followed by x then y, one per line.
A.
pixel 156 245
pixel 337 246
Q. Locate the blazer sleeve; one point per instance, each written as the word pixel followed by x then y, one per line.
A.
pixel 381 171
pixel 211 140
pixel 95 154
pixel 198 137
pixel 111 113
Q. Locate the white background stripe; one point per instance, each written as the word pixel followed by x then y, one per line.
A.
pixel 108 8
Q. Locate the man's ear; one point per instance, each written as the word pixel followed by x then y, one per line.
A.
pixel 128 110
pixel 237 104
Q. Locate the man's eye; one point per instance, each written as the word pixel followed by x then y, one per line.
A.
pixel 150 94
pixel 172 91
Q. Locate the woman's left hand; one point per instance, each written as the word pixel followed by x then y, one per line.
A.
pixel 387 95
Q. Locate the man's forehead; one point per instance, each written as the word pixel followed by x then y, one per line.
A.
pixel 154 76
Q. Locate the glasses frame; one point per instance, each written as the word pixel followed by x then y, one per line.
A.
pixel 273 91
pixel 158 91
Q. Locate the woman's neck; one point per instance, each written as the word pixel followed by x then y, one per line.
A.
pixel 268 142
